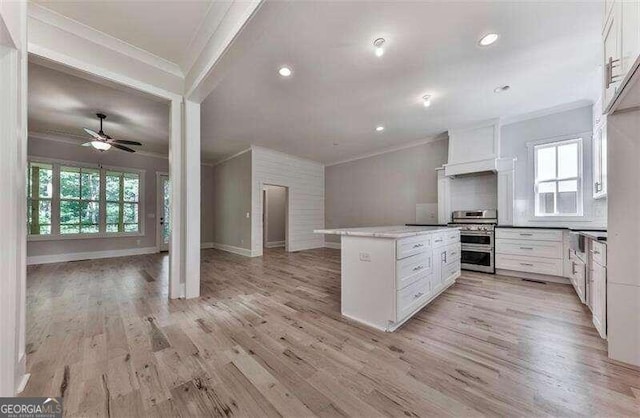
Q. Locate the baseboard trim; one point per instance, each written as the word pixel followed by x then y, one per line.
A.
pixel 274 244
pixel 334 245
pixel 91 255
pixel 533 276
pixel 206 245
pixel 232 249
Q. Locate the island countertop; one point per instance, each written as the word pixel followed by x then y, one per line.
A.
pixel 394 232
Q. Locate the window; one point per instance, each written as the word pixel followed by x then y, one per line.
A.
pixel 69 200
pixel 122 198
pixel 558 178
pixel 79 200
pixel 39 194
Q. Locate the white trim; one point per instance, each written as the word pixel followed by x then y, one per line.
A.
pixel 274 244
pixel 205 30
pixel 389 150
pixel 159 204
pixel 233 249
pixel 206 245
pixel 52 18
pixel 90 255
pixel 231 157
pixel 546 112
pixel 334 245
pixel 23 382
pixel 67 60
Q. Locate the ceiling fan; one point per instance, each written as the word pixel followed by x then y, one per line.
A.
pixel 103 142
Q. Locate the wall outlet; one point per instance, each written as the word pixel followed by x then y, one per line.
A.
pixel 248 215
pixel 365 256
pixel 138 242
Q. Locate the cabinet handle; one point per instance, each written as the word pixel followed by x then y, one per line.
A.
pixel 438 240
pixel 526 264
pixel 573 267
pixel 420 267
pixel 417 295
pixel 609 77
pixel 417 245
pixel 598 186
pixel 526 248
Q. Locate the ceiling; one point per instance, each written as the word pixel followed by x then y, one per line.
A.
pixel 63 101
pixel 548 52
pixel 163 28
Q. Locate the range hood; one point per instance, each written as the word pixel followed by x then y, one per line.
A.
pixel 474 149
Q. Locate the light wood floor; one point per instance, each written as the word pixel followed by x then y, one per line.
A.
pixel 267 339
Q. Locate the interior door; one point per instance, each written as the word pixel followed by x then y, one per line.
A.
pixel 164 214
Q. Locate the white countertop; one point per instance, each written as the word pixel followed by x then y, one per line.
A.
pixel 397 231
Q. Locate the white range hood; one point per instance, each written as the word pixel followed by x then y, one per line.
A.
pixel 474 149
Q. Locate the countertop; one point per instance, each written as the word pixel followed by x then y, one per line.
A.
pixel 396 231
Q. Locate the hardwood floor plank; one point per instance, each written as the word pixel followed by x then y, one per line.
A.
pixel 266 338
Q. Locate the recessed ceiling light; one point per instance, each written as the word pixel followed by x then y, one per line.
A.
pixel 488 39
pixel 500 89
pixel 378 43
pixel 284 71
pixel 379 128
pixel 426 100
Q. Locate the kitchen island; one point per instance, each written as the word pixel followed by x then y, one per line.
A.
pixel 389 273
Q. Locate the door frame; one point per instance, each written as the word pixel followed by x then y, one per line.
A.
pixel 263 194
pixel 159 210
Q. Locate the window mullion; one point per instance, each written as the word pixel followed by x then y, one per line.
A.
pixel 55 200
pixel 102 204
pixel 121 204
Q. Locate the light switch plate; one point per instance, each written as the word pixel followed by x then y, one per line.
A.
pixel 365 256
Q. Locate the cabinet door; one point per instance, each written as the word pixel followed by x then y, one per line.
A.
pixel 599 299
pixel 630 34
pixel 600 162
pixel 612 56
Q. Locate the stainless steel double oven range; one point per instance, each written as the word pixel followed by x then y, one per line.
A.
pixel 477 236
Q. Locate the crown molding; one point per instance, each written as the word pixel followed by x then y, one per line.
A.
pixel 545 112
pixel 49 17
pixel 390 149
pixel 206 29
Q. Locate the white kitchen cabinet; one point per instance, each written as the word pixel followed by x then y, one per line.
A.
pixel 599 298
pixel 578 276
pixel 621 39
pixel 530 251
pixel 600 161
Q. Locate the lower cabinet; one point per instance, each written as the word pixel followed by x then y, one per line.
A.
pixel 578 276
pixel 599 298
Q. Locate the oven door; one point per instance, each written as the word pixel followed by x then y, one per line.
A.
pixel 477 258
pixel 476 238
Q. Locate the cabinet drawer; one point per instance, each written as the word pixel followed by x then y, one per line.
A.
pixel 407 247
pixel 438 239
pixel 451 237
pixel 412 296
pixel 548 249
pixel 409 269
pixel 529 264
pixel 529 234
pixel 450 272
pixel 453 253
pixel 599 251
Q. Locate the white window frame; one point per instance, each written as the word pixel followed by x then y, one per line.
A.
pixel 55 221
pixel 534 183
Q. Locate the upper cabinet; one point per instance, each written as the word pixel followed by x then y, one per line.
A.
pixel 621 38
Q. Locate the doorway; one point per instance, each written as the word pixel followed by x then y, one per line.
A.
pixel 163 226
pixel 274 216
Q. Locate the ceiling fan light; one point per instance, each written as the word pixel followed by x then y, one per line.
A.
pixel 100 145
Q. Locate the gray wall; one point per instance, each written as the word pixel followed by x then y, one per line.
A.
pixel 232 201
pixel 276 199
pixel 383 189
pixel 70 152
pixel 513 143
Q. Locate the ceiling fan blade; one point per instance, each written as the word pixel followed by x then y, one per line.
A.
pixel 122 147
pixel 93 133
pixel 124 141
pixel 86 144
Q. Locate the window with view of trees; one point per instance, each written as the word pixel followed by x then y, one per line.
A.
pixel 558 178
pixel 39 194
pixel 69 200
pixel 122 201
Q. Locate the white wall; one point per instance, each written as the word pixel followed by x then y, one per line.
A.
pixel 514 139
pixel 305 180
